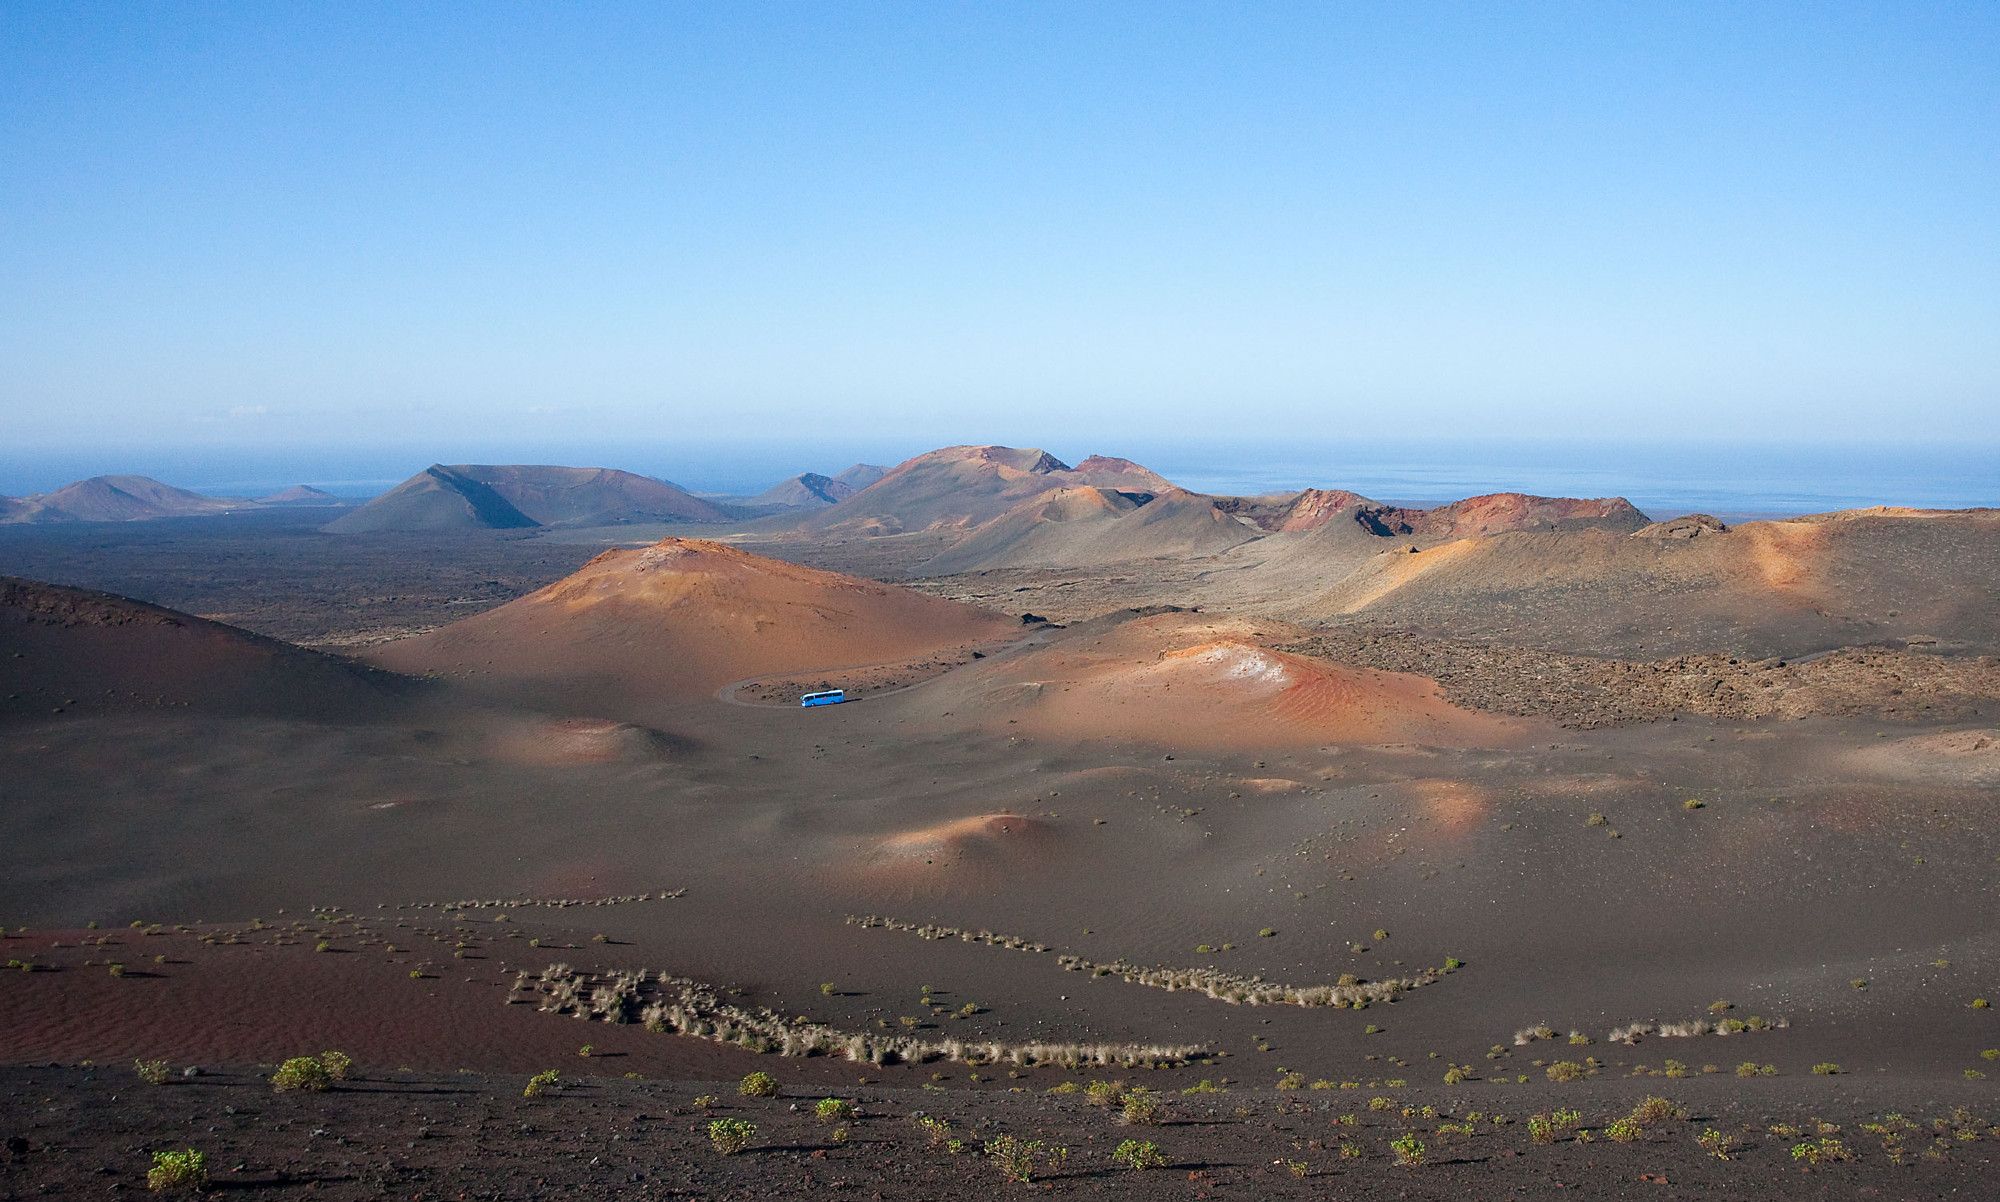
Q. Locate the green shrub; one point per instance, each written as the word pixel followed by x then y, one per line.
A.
pixel 833 1110
pixel 758 1085
pixel 302 1073
pixel 1716 1143
pixel 1652 1109
pixel 730 1136
pixel 1141 1107
pixel 540 1083
pixel 152 1072
pixel 1810 1153
pixel 1139 1154
pixel 1409 1150
pixel 1624 1130
pixel 1546 1128
pixel 338 1064
pixel 1104 1093
pixel 1566 1070
pixel 937 1132
pixel 185 1169
pixel 1826 1069
pixel 1018 1159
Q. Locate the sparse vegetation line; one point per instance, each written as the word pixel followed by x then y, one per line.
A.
pixel 1349 991
pixel 556 903
pixel 680 1006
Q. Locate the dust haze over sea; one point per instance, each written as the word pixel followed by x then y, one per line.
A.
pixel 1732 481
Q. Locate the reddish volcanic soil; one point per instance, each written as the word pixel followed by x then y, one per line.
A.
pixel 1703 813
pixel 674 621
pixel 1193 681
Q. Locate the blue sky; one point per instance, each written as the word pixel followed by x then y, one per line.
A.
pixel 462 231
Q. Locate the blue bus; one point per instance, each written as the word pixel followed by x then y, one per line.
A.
pixel 829 697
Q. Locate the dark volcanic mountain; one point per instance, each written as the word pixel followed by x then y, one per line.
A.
pixel 519 496
pixel 809 490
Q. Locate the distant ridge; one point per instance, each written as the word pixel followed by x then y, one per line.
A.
pixel 861 475
pixel 1069 526
pixel 966 486
pixel 805 491
pixel 301 495
pixel 519 496
pixel 116 499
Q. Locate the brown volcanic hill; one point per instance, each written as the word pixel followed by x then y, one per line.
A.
pixel 517 496
pixel 808 490
pixel 1106 471
pixel 676 620
pixel 1315 507
pixel 117 499
pixel 1761 588
pixel 1073 526
pixel 1503 511
pixel 11 508
pixel 72 650
pixel 964 487
pixel 1188 680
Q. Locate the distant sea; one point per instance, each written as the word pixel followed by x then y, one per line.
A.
pixel 1731 481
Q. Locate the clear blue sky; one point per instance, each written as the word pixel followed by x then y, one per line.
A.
pixel 448 230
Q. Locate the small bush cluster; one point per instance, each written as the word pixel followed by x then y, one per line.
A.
pixel 1141 1107
pixel 1139 1154
pixel 1549 1127
pixel 1810 1153
pixel 303 1074
pixel 540 1083
pixel 152 1072
pixel 1018 1160
pixel 758 1085
pixel 185 1169
pixel 1653 1109
pixel 730 1136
